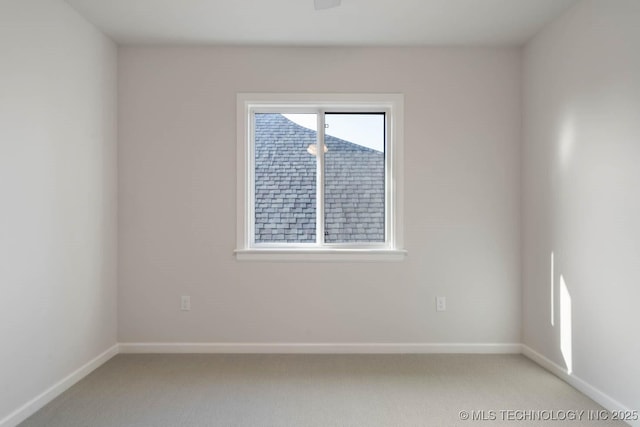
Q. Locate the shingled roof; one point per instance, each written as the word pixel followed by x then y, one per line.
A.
pixel 285 186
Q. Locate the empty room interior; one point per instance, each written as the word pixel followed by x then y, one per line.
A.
pixel 319 212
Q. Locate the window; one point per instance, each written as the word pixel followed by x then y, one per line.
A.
pixel 318 176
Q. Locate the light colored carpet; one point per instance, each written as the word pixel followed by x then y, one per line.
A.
pixel 146 390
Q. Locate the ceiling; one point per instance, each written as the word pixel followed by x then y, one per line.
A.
pixel 297 23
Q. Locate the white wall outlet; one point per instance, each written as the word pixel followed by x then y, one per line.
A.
pixel 185 303
pixel 441 304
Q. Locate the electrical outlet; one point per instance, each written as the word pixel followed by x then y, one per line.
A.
pixel 441 304
pixel 185 303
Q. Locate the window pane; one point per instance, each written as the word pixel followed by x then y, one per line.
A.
pixel 354 187
pixel 285 178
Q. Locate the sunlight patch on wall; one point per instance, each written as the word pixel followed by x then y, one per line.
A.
pixel 565 326
pixel 552 296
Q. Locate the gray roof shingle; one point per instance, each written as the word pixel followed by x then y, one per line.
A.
pixel 285 186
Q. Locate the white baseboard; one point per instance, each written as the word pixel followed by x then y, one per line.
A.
pixel 29 408
pixel 598 396
pixel 320 348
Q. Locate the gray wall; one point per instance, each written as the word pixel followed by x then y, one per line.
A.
pixel 58 196
pixel 580 195
pixel 177 195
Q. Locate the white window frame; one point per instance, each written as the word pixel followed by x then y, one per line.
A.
pixel 250 103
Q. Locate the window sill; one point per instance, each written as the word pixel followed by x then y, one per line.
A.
pixel 321 255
